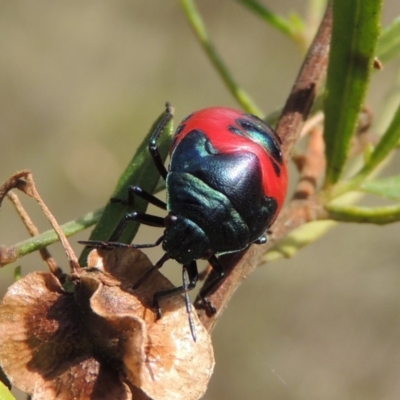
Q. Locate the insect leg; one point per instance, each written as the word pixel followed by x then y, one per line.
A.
pixel 156 266
pixel 140 217
pixel 138 191
pixel 189 308
pixel 99 244
pixel 193 276
pixel 154 138
pixel 210 287
pixel 112 243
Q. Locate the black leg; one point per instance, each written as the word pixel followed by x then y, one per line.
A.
pixel 142 218
pixel 154 138
pixel 137 191
pixel 113 243
pixel 193 275
pixel 156 266
pixel 219 269
pixel 189 309
pixel 99 244
pixel 209 288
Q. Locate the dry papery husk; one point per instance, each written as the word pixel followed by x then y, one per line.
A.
pixel 101 339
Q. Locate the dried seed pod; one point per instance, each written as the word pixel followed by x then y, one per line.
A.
pixel 101 340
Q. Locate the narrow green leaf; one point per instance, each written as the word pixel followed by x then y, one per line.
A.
pixel 142 172
pixel 299 238
pixel 196 22
pixel 385 187
pixel 388 142
pixel 276 21
pixel 5 394
pixel 392 101
pixel 373 215
pixel 354 36
pixel 389 42
pixel 48 237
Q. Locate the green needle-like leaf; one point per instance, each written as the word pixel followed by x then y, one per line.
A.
pixel 354 36
pixel 142 172
pixel 388 142
pixel 5 394
pixel 275 20
pixel 10 254
pixel 385 187
pixel 373 215
pixel 194 18
pixel 389 42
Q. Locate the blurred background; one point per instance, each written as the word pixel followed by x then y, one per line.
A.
pixel 80 85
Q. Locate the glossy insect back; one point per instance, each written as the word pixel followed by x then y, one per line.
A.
pixel 232 131
pixel 225 185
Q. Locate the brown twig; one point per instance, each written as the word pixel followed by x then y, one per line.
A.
pixel 24 181
pixel 33 231
pixel 11 183
pixel 29 188
pixel 308 83
pixel 311 165
pixel 8 254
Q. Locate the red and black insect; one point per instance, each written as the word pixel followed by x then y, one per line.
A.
pixel 226 183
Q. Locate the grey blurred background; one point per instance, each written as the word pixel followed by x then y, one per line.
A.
pixel 81 83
